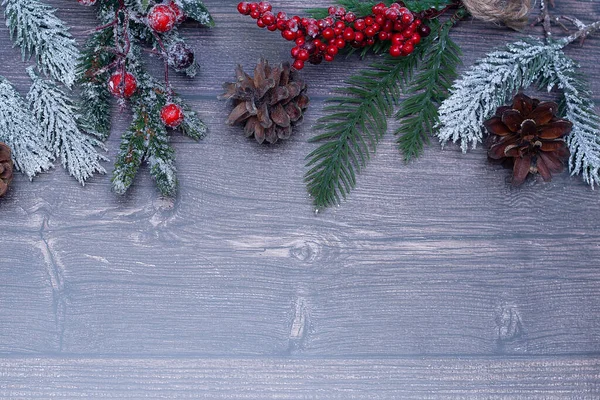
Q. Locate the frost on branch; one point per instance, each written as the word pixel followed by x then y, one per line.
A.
pixel 584 139
pixel 37 31
pixel 486 86
pixel 21 132
pixel 57 117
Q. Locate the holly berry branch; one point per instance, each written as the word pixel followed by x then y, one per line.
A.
pixel 112 65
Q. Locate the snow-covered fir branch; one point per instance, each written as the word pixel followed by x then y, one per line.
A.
pixel 584 139
pixel 21 132
pixel 488 85
pixel 36 29
pixel 57 117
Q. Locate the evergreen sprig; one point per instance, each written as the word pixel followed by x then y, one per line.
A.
pixel 356 119
pixel 418 112
pixel 20 130
pixel 578 106
pixel 36 29
pixel 57 117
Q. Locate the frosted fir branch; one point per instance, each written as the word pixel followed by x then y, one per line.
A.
pixel 488 85
pixel 584 139
pixel 197 11
pixel 57 117
pixel 21 132
pixel 36 29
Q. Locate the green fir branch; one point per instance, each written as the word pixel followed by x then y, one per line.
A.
pixel 93 74
pixel 356 119
pixel 418 112
pixel 196 10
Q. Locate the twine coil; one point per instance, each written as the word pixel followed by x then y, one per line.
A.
pixel 512 13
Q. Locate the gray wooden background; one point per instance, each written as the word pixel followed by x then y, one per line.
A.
pixel 435 280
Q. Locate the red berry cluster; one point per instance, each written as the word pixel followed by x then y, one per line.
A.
pixel 318 40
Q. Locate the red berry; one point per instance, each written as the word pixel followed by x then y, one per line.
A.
pixel 380 19
pixel 303 55
pixel 172 115
pixel 359 24
pixel 332 50
pixel 350 17
pixel 328 33
pixel 349 34
pixel 122 90
pixel 396 50
pixel 332 10
pixel 378 8
pixel 340 43
pixel 407 49
pixel 179 14
pixel 392 14
pixel 268 18
pixel 161 18
pixel 415 39
pixel 359 36
pixel 328 57
pixel 260 23
pixel 300 41
pixel 407 18
pixel 397 39
pixel 255 14
pixel 298 64
pixel 272 28
pixel 294 51
pixel 370 31
pixel 383 36
pixel 244 8
pixel 264 6
pixel 424 30
pixel 288 35
pixel 369 21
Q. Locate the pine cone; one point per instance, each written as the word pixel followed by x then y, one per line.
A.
pixel 269 104
pixel 529 138
pixel 6 168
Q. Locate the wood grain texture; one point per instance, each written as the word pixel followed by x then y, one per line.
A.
pixel 438 259
pixel 300 379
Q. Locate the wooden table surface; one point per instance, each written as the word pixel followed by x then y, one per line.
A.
pixel 435 280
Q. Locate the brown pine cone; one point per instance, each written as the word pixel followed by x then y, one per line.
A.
pixel 269 104
pixel 529 138
pixel 6 168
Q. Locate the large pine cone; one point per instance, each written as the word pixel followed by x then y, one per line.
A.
pixel 269 104
pixel 6 168
pixel 529 138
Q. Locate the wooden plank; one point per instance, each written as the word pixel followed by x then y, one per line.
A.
pixel 436 257
pixel 284 378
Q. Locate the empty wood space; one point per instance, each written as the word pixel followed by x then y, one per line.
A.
pixel 434 280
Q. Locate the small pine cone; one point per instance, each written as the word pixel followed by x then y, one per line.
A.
pixel 529 138
pixel 6 168
pixel 269 104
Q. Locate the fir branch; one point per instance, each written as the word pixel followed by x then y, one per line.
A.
pixel 57 116
pixel 35 28
pixel 161 158
pixel 21 132
pixel 418 112
pixel 486 86
pixel 584 139
pixel 355 122
pixel 93 72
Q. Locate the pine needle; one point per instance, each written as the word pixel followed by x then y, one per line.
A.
pixel 418 113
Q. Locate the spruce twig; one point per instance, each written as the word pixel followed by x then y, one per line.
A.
pixel 356 119
pixel 35 28
pixel 418 112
